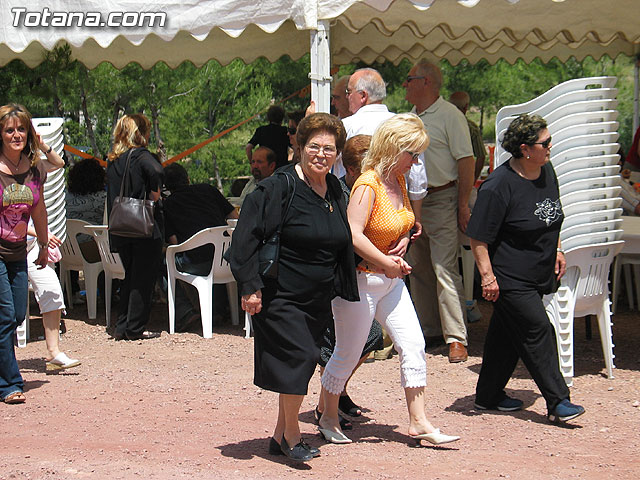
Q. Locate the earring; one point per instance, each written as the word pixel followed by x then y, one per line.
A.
pixel 528 157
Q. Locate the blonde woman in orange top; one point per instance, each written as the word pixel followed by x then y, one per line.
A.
pixel 381 218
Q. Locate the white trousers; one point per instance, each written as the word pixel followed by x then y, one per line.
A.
pixel 388 301
pixel 45 284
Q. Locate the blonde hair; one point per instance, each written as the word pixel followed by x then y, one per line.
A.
pixel 401 133
pixel 131 131
pixel 14 110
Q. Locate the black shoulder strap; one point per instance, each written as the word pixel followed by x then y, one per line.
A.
pixel 291 191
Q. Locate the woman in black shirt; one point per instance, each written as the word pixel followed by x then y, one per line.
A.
pixel 141 257
pixel 514 232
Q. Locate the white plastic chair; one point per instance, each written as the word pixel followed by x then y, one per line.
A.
pixel 591 205
pixel 220 238
pixel 590 227
pixel 588 183
pixel 587 162
pixel 72 259
pixel 592 238
pixel 583 129
pixel 589 217
pixel 590 195
pixel 630 261
pixel 232 222
pixel 585 151
pixel 581 140
pixel 111 263
pixel 588 172
pixel 583 118
pixel 584 291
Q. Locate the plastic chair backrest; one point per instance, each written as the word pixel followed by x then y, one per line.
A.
pixel 110 260
pixel 586 162
pixel 590 227
pixel 591 216
pixel 585 151
pixel 589 183
pixel 583 129
pixel 580 140
pixel 592 238
pixel 591 205
pixel 589 172
pixel 583 118
pixel 590 195
pixel 71 253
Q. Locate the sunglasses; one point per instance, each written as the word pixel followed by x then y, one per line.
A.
pixel 544 144
pixel 414 155
pixel 414 77
pixel 291 130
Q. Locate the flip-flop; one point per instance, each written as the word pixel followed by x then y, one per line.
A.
pixel 15 397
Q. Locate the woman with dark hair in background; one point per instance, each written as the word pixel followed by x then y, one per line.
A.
pixel 22 178
pixel 515 239
pixel 141 257
pixel 316 262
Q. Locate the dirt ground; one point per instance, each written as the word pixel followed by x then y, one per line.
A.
pixel 181 406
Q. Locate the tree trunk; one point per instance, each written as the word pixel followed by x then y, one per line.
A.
pixel 216 170
pixel 114 118
pixel 162 152
pixel 87 119
pixel 481 120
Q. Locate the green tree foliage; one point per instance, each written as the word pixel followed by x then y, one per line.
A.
pixel 188 105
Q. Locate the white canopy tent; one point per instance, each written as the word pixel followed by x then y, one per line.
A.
pixel 339 31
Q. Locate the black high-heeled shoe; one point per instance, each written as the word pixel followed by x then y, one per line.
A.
pixel 346 406
pixel 297 453
pixel 344 423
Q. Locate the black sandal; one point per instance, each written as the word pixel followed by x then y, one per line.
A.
pixel 344 423
pixel 346 406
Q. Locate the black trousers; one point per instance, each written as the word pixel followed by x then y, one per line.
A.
pixel 520 328
pixel 141 259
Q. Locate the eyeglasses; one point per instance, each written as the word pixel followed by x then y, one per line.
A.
pixel 414 155
pixel 349 92
pixel 315 149
pixel 414 77
pixel 544 144
pixel 291 130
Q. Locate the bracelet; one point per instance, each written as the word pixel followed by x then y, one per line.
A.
pixel 488 283
pixel 49 151
pixel 560 250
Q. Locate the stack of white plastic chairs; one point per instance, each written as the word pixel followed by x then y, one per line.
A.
pixel 581 116
pixel 54 194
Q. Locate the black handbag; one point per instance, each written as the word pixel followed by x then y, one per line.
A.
pixel 269 251
pixel 131 217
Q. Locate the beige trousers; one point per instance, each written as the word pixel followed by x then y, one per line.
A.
pixel 436 284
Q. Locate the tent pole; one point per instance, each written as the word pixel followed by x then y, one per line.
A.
pixel 636 85
pixel 320 67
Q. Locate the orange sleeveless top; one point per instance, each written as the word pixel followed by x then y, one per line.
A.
pixel 386 224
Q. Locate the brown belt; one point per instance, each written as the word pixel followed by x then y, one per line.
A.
pixel 441 187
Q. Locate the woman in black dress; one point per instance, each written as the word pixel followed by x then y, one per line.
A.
pixel 141 257
pixel 316 263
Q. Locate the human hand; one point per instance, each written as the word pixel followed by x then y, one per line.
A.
pixel 252 304
pixel 43 258
pixel 54 241
pixel 464 214
pixel 561 265
pixel 490 288
pixel 400 247
pixel 417 231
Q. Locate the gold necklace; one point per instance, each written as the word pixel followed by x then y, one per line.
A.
pixel 327 203
pixel 14 166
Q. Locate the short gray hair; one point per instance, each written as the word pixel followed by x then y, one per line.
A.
pixel 370 81
pixel 431 71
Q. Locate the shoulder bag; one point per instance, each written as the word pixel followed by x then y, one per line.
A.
pixel 131 217
pixel 269 252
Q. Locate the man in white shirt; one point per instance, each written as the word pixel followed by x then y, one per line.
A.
pixel 365 92
pixel 436 284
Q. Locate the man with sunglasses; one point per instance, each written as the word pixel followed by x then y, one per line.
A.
pixel 436 284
